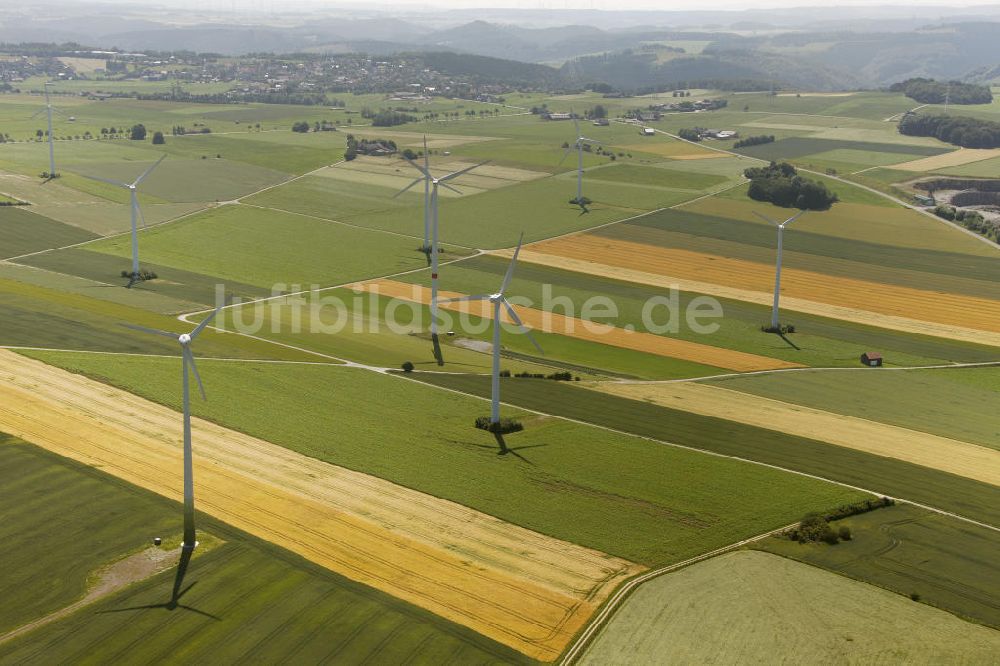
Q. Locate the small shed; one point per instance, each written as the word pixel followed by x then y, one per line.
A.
pixel 871 359
pixel 648 131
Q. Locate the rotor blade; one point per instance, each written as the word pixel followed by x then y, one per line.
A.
pixel 149 170
pixel 510 269
pixel 583 138
pixel 766 219
pixel 141 216
pixel 565 155
pixel 456 174
pixel 476 297
pixel 517 320
pixel 405 189
pixel 576 124
pixel 107 180
pixel 194 370
pixel 39 112
pixel 204 322
pixel 426 172
pixel 427 157
pixel 449 187
pixel 793 218
pixel 153 331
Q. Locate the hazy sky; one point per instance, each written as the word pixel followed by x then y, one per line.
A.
pixel 663 5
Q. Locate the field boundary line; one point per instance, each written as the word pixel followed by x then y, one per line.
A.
pixel 603 616
pixel 760 463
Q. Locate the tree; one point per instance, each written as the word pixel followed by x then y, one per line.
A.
pixel 409 154
pixel 158 139
pixel 352 148
pixel 407 366
pixel 598 111
pixel 301 126
pixel 138 132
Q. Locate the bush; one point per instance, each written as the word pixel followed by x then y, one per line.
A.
pixel 780 329
pixel 844 533
pixel 504 426
pixel 138 132
pixel 158 139
pixel 301 126
pixel 407 366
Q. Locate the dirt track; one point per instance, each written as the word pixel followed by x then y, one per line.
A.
pixel 942 453
pixel 591 331
pixel 901 308
pixel 521 588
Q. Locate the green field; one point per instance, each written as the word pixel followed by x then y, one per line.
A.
pixel 264 248
pixel 22 231
pixel 752 607
pixel 945 402
pixel 51 315
pixel 820 341
pixel 980 501
pixel 676 503
pixel 948 563
pixel 242 600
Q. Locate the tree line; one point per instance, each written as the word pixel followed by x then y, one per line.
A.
pixel 956 130
pixel 929 91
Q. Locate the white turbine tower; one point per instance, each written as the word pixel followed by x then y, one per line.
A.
pixel 48 112
pixel 499 299
pixel 187 356
pixel 777 267
pixel 136 213
pixel 581 140
pixel 433 183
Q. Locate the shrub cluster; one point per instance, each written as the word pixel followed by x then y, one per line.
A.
pixel 504 426
pixel 141 276
pixel 690 133
pixel 956 130
pixel 816 526
pixel 754 141
pixel 780 329
pixel 971 220
pixel 978 184
pixel 929 91
pixel 557 376
pixel 780 184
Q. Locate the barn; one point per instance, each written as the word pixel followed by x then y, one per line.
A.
pixel 871 359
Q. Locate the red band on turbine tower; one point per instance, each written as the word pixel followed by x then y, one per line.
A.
pixel 434 276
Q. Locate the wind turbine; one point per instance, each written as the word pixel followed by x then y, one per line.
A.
pixel 581 140
pixel 777 268
pixel 185 340
pixel 136 213
pixel 52 149
pixel 499 299
pixel 433 183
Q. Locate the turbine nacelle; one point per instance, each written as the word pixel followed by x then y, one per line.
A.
pixel 184 339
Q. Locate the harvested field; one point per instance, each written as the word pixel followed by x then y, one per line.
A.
pixel 605 334
pixel 678 150
pixel 942 453
pixel 955 158
pixel 521 588
pixel 901 308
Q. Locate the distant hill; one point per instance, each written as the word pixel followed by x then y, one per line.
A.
pixel 738 70
pixel 494 70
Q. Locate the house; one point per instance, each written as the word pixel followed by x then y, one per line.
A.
pixel 558 116
pixel 602 122
pixel 871 359
pixel 648 131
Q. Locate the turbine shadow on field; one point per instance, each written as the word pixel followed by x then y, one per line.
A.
pixel 790 343
pixel 175 594
pixel 438 356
